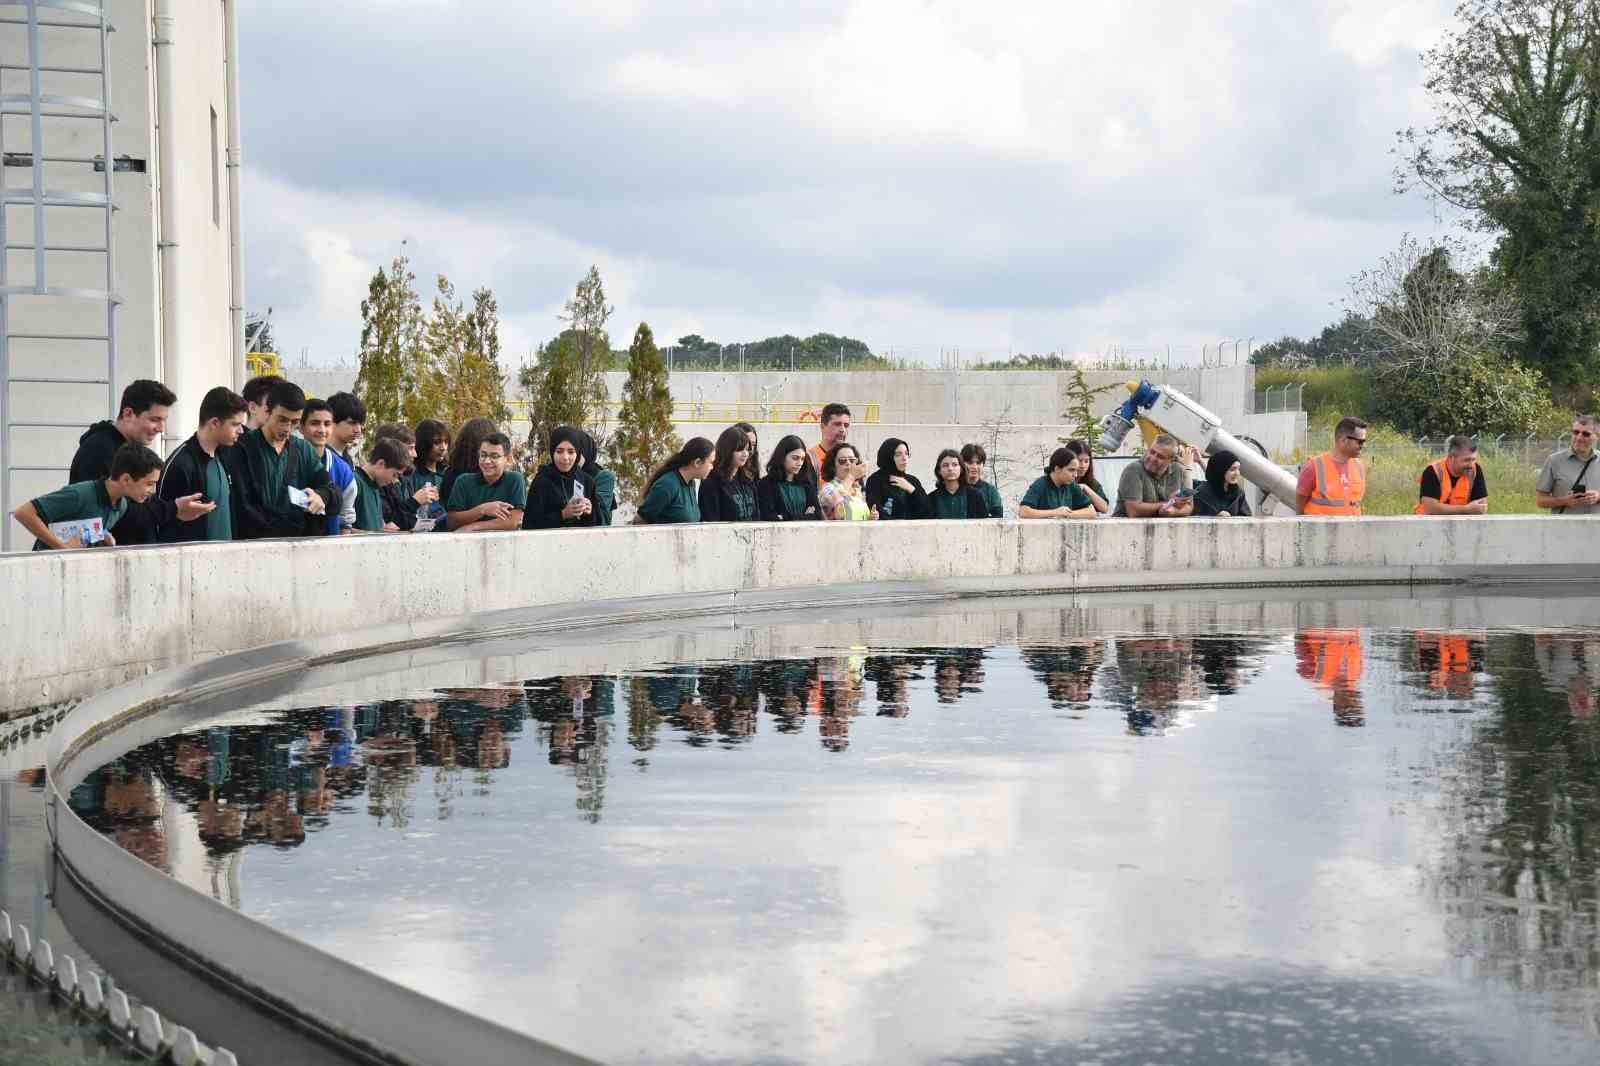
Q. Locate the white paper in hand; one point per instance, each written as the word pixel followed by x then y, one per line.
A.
pixel 301 498
pixel 79 531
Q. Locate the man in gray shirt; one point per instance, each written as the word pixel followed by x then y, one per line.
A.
pixel 1568 482
pixel 1150 488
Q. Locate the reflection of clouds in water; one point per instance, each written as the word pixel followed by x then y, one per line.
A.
pixel 950 879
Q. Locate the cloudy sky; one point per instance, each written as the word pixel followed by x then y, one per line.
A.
pixel 923 175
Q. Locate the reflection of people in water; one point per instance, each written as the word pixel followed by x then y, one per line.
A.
pixel 957 672
pixel 1067 669
pixel 835 698
pixel 1450 662
pixel 1331 660
pixel 891 676
pixel 730 691
pixel 1151 680
pixel 1570 665
pixel 784 684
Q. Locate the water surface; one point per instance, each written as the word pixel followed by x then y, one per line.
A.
pixel 1318 830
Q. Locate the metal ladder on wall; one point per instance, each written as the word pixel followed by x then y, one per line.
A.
pixel 45 114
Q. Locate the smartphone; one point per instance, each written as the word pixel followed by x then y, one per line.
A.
pixel 1184 494
pixel 577 489
pixel 204 498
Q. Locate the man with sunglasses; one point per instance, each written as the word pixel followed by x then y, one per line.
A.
pixel 1334 483
pixel 1567 483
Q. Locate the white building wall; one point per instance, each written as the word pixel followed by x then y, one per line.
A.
pixel 202 235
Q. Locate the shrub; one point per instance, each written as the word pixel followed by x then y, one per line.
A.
pixel 1484 394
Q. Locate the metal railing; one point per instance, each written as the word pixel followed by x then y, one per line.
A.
pixel 1532 448
pixel 259 363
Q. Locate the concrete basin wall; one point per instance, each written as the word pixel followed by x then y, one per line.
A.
pixel 83 621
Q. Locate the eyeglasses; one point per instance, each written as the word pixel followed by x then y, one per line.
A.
pixel 1360 442
pixel 842 461
pixel 1583 433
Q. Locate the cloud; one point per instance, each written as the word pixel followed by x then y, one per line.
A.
pixel 940 174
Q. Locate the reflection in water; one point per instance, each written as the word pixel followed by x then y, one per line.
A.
pixel 1510 787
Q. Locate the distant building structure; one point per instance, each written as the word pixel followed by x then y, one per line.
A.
pixel 97 291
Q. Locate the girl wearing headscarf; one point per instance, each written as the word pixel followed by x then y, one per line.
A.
pixel 729 494
pixel 1221 494
pixel 562 494
pixel 891 491
pixel 605 482
pixel 789 491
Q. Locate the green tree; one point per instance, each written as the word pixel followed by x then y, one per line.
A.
pixel 464 379
pixel 1515 142
pixel 1078 396
pixel 394 372
pixel 566 385
pixel 644 437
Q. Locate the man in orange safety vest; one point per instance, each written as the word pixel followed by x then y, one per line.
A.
pixel 1335 482
pixel 1454 485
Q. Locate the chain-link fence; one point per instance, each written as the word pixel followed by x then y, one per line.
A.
pixel 1532 449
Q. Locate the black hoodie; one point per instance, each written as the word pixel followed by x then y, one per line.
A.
pixel 92 462
pixel 550 492
pixel 891 501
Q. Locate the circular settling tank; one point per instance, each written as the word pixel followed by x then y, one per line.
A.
pixel 1329 828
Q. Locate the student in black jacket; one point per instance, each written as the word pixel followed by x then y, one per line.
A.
pixel 891 491
pixel 268 463
pixel 729 494
pixel 788 492
pixel 562 495
pixel 141 418
pixel 197 466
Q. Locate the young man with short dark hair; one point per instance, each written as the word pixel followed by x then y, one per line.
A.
pixel 400 506
pixel 280 489
pixel 386 462
pixel 492 499
pixel 349 415
pixel 835 424
pixel 141 418
pixel 316 426
pixel 197 467
pixel 255 397
pixel 1335 482
pixel 1453 484
pixel 132 478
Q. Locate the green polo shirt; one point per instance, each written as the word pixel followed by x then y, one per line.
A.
pixel 1046 495
pixel 949 504
pixel 77 502
pixel 671 499
pixel 219 523
pixel 420 477
pixel 470 490
pixel 991 498
pixel 369 502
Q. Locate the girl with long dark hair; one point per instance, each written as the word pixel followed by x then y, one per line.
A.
pixel 952 497
pixel 1086 478
pixel 841 496
pixel 605 482
pixel 788 493
pixel 464 453
pixel 752 465
pixel 729 494
pixel 669 495
pixel 1057 494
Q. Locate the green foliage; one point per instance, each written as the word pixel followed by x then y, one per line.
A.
pixel 415 366
pixel 565 385
pixel 820 351
pixel 1485 395
pixel 1515 142
pixel 644 438
pixel 1078 397
pixel 394 374
pixel 1331 391
pixel 1349 342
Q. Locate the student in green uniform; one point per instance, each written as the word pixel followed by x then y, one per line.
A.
pixel 386 462
pixel 272 469
pixel 669 496
pixel 789 491
pixel 952 497
pixel 973 460
pixel 1057 494
pixel 135 470
pixel 433 456
pixel 605 482
pixel 196 467
pixel 493 499
pixel 1086 479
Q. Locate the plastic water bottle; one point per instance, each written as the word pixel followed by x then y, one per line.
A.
pixel 429 515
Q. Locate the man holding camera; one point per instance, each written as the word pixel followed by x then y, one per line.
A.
pixel 1566 484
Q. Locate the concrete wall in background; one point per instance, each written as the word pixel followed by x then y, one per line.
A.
pixel 96 618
